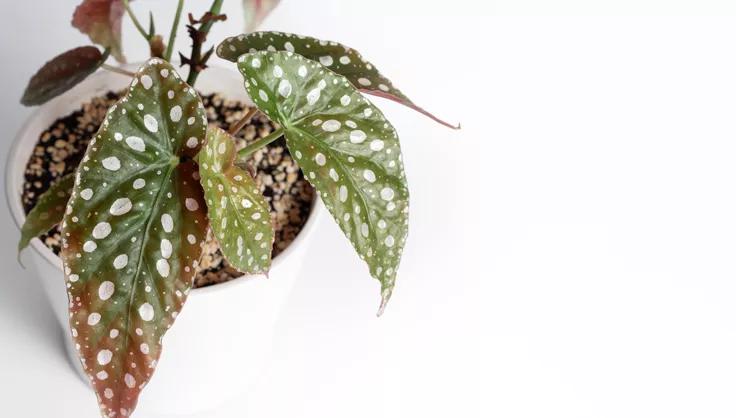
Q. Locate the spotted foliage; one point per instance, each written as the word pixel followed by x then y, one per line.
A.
pixel 61 74
pixel 345 147
pixel 238 213
pixel 337 57
pixel 257 10
pixel 132 233
pixel 48 212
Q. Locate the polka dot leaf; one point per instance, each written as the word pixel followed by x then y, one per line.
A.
pixel 239 215
pixel 61 74
pixel 132 233
pixel 345 147
pixel 337 57
pixel 48 212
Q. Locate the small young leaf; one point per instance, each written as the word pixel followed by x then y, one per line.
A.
pixel 238 214
pixel 101 20
pixel 257 10
pixel 339 58
pixel 132 234
pixel 61 74
pixel 346 148
pixel 49 211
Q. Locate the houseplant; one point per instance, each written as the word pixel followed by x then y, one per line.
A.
pixel 134 216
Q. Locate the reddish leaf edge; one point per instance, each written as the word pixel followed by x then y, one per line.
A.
pixel 410 105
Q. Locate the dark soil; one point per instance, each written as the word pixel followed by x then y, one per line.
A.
pixel 61 147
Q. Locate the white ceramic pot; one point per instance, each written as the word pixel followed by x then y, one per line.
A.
pixel 221 341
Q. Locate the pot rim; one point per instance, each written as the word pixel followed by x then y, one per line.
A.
pixel 15 206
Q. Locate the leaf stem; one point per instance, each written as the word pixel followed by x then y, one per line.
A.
pixel 244 153
pixel 243 121
pixel 196 56
pixel 135 21
pixel 117 70
pixel 174 27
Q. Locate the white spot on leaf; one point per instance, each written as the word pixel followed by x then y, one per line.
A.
pixel 120 261
pixel 320 159
pixel 93 319
pixel 166 248
pixel 387 193
pixel 357 136
pixel 163 267
pixel 139 184
pixel 167 222
pixel 104 357
pixel 376 145
pixel 150 123
pixel 146 81
pixel 129 380
pixel 175 113
pixel 191 204
pixel 101 230
pixel 284 88
pixel 107 288
pixel 146 311
pixel 331 125
pixel 111 163
pixel 121 206
pixel 313 96
pixel 343 193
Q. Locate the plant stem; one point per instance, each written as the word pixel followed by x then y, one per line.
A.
pixel 244 153
pixel 215 10
pixel 197 46
pixel 174 27
pixel 243 121
pixel 135 21
pixel 117 70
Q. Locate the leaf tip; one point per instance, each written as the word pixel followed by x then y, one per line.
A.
pixel 385 297
pixel 20 261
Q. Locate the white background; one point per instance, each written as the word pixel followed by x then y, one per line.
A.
pixel 571 250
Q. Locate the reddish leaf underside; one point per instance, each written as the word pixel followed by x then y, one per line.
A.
pixel 49 211
pixel 238 213
pixel 101 20
pixel 339 58
pixel 61 74
pixel 133 232
pixel 346 148
pixel 257 10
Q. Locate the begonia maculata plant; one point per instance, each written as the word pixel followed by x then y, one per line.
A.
pixel 155 177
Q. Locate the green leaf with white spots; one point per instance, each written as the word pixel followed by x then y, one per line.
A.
pixel 132 233
pixel 48 212
pixel 346 148
pixel 61 74
pixel 238 213
pixel 337 57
